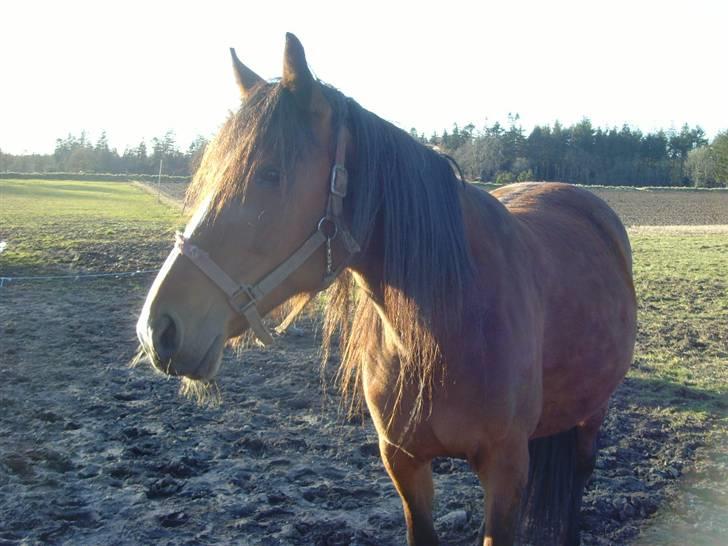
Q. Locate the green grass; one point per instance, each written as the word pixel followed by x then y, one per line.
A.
pixel 71 226
pixel 681 356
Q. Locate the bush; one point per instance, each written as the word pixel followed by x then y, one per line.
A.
pixel 504 177
pixel 525 176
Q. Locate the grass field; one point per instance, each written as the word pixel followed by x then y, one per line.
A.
pixel 682 343
pixel 68 227
pixel 680 373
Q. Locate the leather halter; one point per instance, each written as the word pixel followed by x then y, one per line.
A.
pixel 243 298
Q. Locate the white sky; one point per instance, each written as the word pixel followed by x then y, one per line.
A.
pixel 137 69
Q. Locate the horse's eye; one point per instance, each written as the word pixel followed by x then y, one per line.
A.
pixel 269 176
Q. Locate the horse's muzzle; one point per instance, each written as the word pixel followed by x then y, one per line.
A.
pixel 161 339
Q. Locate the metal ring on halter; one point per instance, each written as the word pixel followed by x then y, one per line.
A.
pixel 328 221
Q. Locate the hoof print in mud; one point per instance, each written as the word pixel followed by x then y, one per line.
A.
pixel 173 519
pixel 166 487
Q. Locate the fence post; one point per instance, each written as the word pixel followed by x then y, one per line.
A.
pixel 159 182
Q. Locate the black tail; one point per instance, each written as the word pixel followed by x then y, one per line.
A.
pixel 552 499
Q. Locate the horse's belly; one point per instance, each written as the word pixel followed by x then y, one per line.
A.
pixel 589 337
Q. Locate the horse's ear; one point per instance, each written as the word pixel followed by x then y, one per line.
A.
pixel 296 74
pixel 298 78
pixel 246 78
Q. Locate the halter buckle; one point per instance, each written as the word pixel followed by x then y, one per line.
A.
pixel 339 180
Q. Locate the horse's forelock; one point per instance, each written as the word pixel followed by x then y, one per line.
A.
pixel 270 125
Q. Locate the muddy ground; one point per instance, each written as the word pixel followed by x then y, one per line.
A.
pixel 95 452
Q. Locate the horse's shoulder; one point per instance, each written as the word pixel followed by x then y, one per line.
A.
pixel 484 206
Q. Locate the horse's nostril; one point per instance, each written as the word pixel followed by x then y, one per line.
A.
pixel 166 338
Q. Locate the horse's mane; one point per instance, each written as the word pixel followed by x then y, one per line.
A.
pixel 403 207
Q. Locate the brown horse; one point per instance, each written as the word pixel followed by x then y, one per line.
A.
pixel 487 327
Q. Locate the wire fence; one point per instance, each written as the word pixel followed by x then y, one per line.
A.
pixel 4 281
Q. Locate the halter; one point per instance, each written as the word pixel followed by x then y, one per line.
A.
pixel 243 298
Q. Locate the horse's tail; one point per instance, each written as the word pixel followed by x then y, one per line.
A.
pixel 552 499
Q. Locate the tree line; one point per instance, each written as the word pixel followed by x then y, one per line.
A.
pixel 579 153
pixel 584 154
pixel 79 154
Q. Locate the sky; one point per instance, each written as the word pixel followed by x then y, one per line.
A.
pixel 137 69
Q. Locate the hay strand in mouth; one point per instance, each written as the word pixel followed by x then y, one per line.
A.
pixel 140 357
pixel 205 392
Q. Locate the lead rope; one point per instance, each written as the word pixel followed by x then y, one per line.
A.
pixel 329 257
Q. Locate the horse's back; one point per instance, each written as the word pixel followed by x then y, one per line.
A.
pixel 585 268
pixel 561 209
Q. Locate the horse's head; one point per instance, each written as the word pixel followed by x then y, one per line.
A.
pixel 267 208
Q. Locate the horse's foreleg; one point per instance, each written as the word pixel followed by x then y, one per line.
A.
pixel 413 480
pixel 503 474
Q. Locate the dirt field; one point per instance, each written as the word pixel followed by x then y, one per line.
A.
pixel 635 206
pixel 95 452
pixel 645 207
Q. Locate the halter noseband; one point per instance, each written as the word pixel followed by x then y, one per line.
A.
pixel 244 298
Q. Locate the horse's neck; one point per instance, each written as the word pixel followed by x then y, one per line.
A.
pixel 368 275
pixel 376 300
pixel 367 267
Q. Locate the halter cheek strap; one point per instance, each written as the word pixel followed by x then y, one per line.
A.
pixel 243 298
